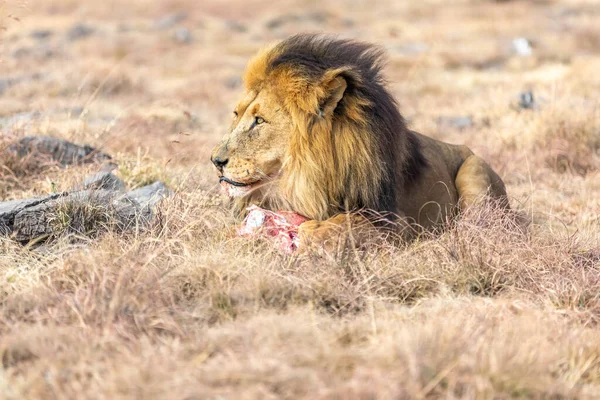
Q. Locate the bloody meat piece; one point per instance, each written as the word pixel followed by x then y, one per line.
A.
pixel 282 226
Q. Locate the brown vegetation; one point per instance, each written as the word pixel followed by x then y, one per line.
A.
pixel 186 310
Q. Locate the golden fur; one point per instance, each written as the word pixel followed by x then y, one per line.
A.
pixel 318 133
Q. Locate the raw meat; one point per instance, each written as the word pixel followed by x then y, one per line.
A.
pixel 282 226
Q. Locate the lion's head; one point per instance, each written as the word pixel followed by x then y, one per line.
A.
pixel 250 157
pixel 316 132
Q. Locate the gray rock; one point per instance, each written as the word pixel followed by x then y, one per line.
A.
pixel 183 35
pixel 237 26
pixel 41 34
pixel 6 83
pixel 46 51
pixel 21 52
pixel 104 181
pixel 348 23
pixel 527 101
pixel 170 20
pixel 319 17
pixel 42 51
pixel 26 117
pixel 55 149
pixel 460 122
pixel 316 17
pixel 233 82
pixel 149 195
pixel 82 212
pixel 79 31
pixel 410 49
pixel 9 209
pixel 9 81
pixel 279 21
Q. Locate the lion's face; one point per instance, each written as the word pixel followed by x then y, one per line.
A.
pixel 251 155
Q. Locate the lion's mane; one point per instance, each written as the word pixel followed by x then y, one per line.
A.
pixel 363 156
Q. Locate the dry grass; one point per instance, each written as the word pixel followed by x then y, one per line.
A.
pixel 187 310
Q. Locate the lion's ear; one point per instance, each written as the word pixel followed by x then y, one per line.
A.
pixel 334 91
pixel 333 86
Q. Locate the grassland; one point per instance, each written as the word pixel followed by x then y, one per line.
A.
pixel 186 311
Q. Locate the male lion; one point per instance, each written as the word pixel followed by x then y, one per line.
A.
pixel 318 133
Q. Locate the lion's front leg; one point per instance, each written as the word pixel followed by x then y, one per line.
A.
pixel 332 234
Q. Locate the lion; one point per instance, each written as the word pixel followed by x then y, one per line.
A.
pixel 318 133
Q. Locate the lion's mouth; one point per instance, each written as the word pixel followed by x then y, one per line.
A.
pixel 234 183
pixel 236 189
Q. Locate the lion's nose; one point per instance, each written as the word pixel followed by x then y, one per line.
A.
pixel 219 162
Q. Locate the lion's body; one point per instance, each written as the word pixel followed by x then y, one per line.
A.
pixel 454 178
pixel 335 142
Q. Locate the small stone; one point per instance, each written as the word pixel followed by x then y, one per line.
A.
pixel 183 35
pixel 6 83
pixel 233 82
pixel 21 52
pixel 46 51
pixel 76 111
pixel 281 20
pixel 462 122
pixel 237 26
pixel 411 49
pixel 41 34
pixel 169 20
pixel 522 47
pixel 79 31
pixel 527 101
pixel 149 195
pixel 318 17
pixel 104 180
pixel 19 119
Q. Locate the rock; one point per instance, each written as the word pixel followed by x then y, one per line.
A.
pixel 170 20
pixel 58 150
pixel 6 83
pixel 183 35
pixel 104 181
pixel 19 118
pixel 410 49
pixel 276 22
pixel 522 46
pixel 9 81
pixel 82 212
pixel 149 195
pixel 42 51
pixel 9 209
pixel 77 212
pixel 462 122
pixel 236 26
pixel 233 82
pixel 526 101
pixel 41 34
pixel 316 17
pixel 79 31
pixel 46 51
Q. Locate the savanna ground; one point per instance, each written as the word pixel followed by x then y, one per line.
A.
pixel 187 311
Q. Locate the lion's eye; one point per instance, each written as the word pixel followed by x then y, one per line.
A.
pixel 235 114
pixel 259 120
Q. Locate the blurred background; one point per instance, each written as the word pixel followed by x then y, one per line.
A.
pixel 516 80
pixel 188 311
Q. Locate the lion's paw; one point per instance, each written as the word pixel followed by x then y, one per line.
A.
pixel 329 236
